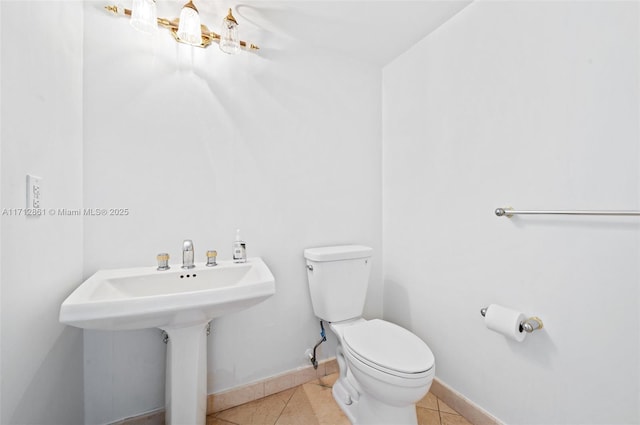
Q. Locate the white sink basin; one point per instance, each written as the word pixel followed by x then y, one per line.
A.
pixel 181 302
pixel 143 297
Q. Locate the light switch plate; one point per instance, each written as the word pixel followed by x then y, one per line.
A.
pixel 34 192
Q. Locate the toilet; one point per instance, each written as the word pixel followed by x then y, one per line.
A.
pixel 384 369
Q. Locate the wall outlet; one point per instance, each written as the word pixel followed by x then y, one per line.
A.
pixel 34 192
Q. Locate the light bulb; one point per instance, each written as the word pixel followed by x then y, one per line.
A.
pixel 189 30
pixel 144 16
pixel 229 41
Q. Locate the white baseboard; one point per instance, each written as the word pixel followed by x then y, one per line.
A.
pixel 468 409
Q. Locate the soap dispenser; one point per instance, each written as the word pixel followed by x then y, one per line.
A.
pixel 239 249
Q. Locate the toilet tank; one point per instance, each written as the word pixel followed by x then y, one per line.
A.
pixel 338 279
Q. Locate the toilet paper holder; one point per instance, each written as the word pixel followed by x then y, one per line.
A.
pixel 531 324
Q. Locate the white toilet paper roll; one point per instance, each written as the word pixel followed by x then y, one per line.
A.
pixel 505 321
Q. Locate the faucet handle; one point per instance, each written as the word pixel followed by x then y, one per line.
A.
pixel 163 261
pixel 211 258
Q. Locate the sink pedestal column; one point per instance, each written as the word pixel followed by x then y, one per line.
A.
pixel 186 385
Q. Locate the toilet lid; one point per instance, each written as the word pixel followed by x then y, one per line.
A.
pixel 389 346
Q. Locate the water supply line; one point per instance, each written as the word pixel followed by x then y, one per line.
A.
pixel 313 359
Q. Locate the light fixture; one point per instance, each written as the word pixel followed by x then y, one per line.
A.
pixel 186 29
pixel 144 16
pixel 189 30
pixel 229 42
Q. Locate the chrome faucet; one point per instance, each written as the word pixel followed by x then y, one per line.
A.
pixel 187 254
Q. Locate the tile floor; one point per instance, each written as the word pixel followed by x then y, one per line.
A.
pixel 313 404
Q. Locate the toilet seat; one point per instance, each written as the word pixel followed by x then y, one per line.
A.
pixel 389 348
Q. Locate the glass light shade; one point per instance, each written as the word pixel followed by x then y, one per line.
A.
pixel 229 41
pixel 189 30
pixel 144 16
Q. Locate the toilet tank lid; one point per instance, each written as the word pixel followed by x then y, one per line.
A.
pixel 335 253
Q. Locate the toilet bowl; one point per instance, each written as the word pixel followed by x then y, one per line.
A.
pixel 384 368
pixel 384 371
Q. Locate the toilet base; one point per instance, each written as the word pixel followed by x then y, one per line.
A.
pixel 369 411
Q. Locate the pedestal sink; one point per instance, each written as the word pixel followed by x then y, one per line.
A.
pixel 180 302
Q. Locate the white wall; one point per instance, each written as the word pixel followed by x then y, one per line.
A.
pixel 533 105
pixel 284 144
pixel 1 375
pixel 41 92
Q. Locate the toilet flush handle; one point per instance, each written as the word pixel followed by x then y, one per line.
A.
pixel 310 267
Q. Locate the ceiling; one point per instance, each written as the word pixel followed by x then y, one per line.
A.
pixel 373 31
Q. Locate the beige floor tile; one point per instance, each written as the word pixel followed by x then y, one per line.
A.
pixel 449 419
pixel 331 367
pixel 285 395
pixel 212 420
pixel 313 404
pixel 259 412
pixel 428 402
pixel 445 408
pixel 327 381
pixel 426 416
pixel 324 406
pixel 298 411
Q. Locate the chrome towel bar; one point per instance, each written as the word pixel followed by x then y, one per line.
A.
pixel 509 212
